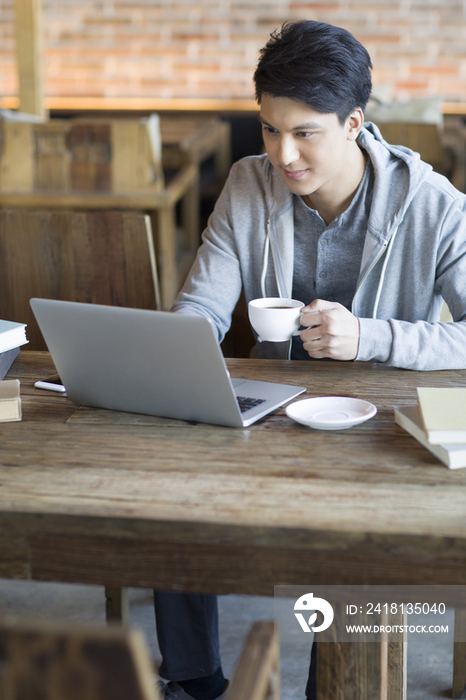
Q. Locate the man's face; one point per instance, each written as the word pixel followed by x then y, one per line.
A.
pixel 309 149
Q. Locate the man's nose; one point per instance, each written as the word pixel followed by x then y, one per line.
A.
pixel 288 152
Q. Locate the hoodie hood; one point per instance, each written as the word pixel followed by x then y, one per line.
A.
pixel 399 173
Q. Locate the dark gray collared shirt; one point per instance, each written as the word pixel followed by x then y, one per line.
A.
pixel 327 258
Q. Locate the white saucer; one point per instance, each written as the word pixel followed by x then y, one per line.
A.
pixel 331 412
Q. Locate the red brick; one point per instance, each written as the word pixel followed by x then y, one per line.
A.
pixel 210 48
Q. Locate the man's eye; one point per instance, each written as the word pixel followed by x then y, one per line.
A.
pixel 269 129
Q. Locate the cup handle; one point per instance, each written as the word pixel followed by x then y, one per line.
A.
pixel 304 328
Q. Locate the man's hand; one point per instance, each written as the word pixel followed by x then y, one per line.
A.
pixel 333 331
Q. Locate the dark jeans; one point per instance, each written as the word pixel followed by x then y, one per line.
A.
pixel 311 687
pixel 187 632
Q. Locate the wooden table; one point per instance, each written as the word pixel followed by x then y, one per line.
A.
pixel 102 497
pixel 193 139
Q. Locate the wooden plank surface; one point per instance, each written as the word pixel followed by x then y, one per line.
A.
pixel 190 139
pixel 99 257
pixel 115 498
pixel 160 203
pixel 145 201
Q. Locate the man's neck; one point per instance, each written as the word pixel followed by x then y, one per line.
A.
pixel 330 204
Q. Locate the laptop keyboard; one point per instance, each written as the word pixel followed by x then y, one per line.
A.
pixel 247 402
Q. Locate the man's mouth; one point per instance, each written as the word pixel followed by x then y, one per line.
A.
pixel 294 174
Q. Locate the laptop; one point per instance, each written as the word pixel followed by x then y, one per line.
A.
pixel 152 362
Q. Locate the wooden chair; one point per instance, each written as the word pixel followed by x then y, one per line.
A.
pixel 105 164
pixel 62 155
pixel 45 661
pixel 95 257
pixel 257 675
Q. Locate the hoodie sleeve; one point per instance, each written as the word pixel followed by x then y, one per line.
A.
pixel 436 270
pixel 417 346
pixel 214 283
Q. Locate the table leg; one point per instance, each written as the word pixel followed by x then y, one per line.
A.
pixel 361 670
pixel 346 670
pixel 394 656
pixel 117 605
pixel 459 654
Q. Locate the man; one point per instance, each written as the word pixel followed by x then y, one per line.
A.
pixel 364 233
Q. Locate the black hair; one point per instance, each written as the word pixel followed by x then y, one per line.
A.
pixel 318 64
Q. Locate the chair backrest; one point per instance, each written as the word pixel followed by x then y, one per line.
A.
pixel 65 662
pixel 425 139
pixel 257 674
pixel 110 155
pixel 93 257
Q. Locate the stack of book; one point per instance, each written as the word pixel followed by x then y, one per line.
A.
pixel 438 422
pixel 12 336
pixel 10 400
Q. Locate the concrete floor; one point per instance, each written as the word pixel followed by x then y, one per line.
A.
pixel 429 662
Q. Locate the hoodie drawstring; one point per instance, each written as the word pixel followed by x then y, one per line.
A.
pixel 382 276
pixel 277 267
pixel 265 261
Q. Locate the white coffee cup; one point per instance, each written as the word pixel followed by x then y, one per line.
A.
pixel 275 319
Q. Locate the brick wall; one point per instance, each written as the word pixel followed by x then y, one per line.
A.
pixel 208 48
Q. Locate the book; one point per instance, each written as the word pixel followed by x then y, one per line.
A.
pixel 443 413
pixel 409 418
pixel 12 335
pixel 6 360
pixel 10 400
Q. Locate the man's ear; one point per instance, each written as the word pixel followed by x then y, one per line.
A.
pixel 355 123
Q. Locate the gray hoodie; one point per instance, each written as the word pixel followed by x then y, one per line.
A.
pixel 414 257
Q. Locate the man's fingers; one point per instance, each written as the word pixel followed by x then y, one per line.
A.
pixel 332 331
